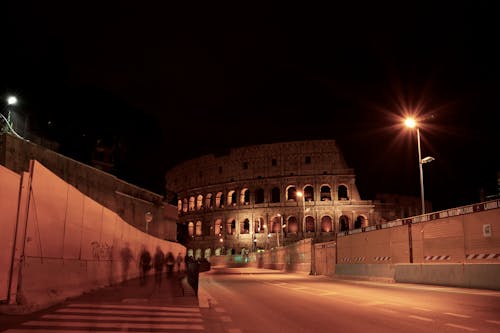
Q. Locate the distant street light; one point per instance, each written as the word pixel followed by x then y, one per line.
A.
pixel 411 123
pixel 12 100
pixel 9 126
pixel 148 217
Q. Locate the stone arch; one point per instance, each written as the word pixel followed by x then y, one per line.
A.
pixel 197 254
pixel 191 228
pixel 360 222
pixel 259 226
pixel 191 203
pixel 326 192
pixel 231 198
pixel 219 200
pixel 276 224
pixel 198 231
pixel 208 253
pixel 218 227
pixel 343 223
pixel 342 192
pixel 199 202
pixel 291 193
pixel 292 225
pixel 231 226
pixel 259 195
pixel 185 205
pixel 310 224
pixel 245 196
pixel 190 253
pixel 308 193
pixel 218 251
pixel 245 227
pixel 208 201
pixel 326 224
pixel 179 205
pixel 275 195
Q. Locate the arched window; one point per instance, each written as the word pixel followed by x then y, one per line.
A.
pixel 276 224
pixel 208 200
pixel 326 224
pixel 198 228
pixel 259 196
pixel 231 198
pixel 308 193
pixel 291 193
pixel 326 193
pixel 275 195
pixel 179 205
pixel 191 228
pixel 199 202
pixel 310 224
pixel 293 225
pixel 360 222
pixel 342 192
pixel 259 225
pixel 185 205
pixel 219 200
pixel 218 227
pixel 231 227
pixel 245 196
pixel 245 227
pixel 191 203
pixel 344 223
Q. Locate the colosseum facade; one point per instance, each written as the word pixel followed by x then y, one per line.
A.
pixel 263 196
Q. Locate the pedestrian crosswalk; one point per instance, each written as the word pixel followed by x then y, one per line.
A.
pixel 104 318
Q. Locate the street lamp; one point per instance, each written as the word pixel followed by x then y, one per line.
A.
pixel 411 123
pixel 9 128
pixel 148 217
pixel 280 231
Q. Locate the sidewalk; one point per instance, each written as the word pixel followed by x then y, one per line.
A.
pixel 174 290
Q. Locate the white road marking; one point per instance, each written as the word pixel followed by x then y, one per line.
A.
pixel 421 318
pixel 118 312
pixel 134 307
pixel 470 329
pixel 456 315
pixel 493 322
pixel 128 318
pixel 121 326
pixel 422 309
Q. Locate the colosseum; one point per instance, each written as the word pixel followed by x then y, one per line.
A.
pixel 258 197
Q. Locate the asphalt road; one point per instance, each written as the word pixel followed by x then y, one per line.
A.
pixel 250 300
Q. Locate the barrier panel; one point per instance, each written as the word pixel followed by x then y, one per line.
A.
pixel 9 200
pixel 73 244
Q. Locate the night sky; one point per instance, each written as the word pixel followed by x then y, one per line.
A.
pixel 174 81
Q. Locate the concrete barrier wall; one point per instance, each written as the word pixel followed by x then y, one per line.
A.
pixel 72 244
pixel 480 276
pixel 9 201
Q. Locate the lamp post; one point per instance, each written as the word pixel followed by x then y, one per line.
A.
pixel 9 126
pixel 300 194
pixel 411 123
pixel 148 217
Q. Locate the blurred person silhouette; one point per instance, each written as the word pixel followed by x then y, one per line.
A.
pixel 179 261
pixel 126 257
pixel 170 261
pixel 144 264
pixel 158 262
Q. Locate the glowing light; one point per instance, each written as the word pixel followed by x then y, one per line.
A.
pixel 410 122
pixel 12 100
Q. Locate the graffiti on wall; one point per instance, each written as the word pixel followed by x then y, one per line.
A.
pixel 101 251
